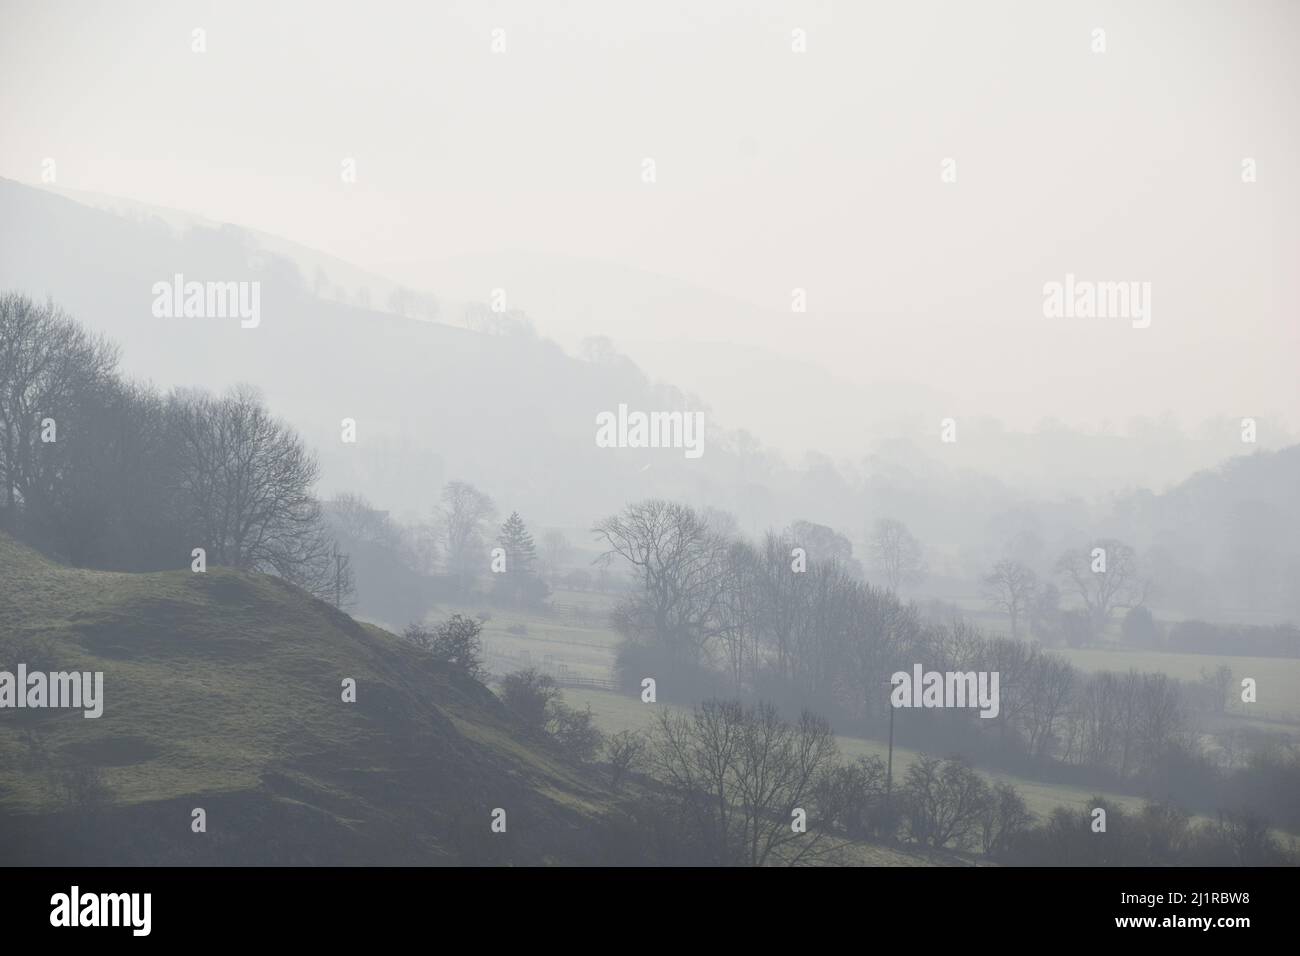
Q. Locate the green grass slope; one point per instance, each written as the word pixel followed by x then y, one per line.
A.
pixel 223 691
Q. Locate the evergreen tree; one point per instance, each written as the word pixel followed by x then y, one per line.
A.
pixel 521 552
pixel 519 584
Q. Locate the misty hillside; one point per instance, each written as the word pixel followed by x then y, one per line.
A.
pixel 451 402
pixel 513 413
pixel 703 435
pixel 315 357
pixel 710 344
pixel 223 691
pixel 1228 534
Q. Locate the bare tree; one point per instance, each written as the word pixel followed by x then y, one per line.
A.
pixel 247 484
pixel 1010 587
pixel 824 544
pixel 896 554
pixel 456 642
pixel 356 520
pixel 944 802
pixel 741 775
pixel 1162 719
pixel 466 512
pixel 854 795
pixel 342 585
pixel 50 369
pixel 683 569
pixel 626 752
pixel 1126 722
pixel 1016 663
pixel 1104 576
pixel 1048 694
pixel 1006 817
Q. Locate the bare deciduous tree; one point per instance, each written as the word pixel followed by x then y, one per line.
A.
pixel 1119 585
pixel 457 642
pixel 50 368
pixel 466 512
pixel 944 802
pixel 824 544
pixel 625 751
pixel 1048 694
pixel 247 482
pixel 682 565
pixel 896 554
pixel 740 774
pixel 1010 587
pixel 1006 816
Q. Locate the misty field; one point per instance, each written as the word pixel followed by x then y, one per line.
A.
pixel 515 638
pixel 1277 678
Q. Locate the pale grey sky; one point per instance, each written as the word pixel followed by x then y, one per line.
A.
pixel 775 170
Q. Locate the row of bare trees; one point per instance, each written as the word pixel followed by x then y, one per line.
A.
pixel 103 472
pixel 722 614
pixel 731 784
pixel 707 600
pixel 1103 577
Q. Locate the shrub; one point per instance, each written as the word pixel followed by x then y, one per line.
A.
pixel 852 796
pixel 625 751
pixel 575 731
pixel 535 699
pixel 456 642
pixel 1005 820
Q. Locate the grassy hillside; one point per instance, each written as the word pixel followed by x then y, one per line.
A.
pixel 223 691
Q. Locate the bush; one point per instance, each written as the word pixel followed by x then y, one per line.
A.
pixel 575 731
pixel 1160 834
pixel 852 797
pixel 1166 832
pixel 1005 821
pixel 529 695
pixel 1237 839
pixel 680 680
pixel 536 700
pixel 625 752
pixel 456 642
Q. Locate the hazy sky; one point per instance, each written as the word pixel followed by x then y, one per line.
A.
pixel 775 169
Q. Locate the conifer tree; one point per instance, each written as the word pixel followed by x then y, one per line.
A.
pixel 520 583
pixel 521 552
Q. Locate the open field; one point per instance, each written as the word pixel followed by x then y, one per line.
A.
pixel 1277 678
pixel 579 641
pixel 575 640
